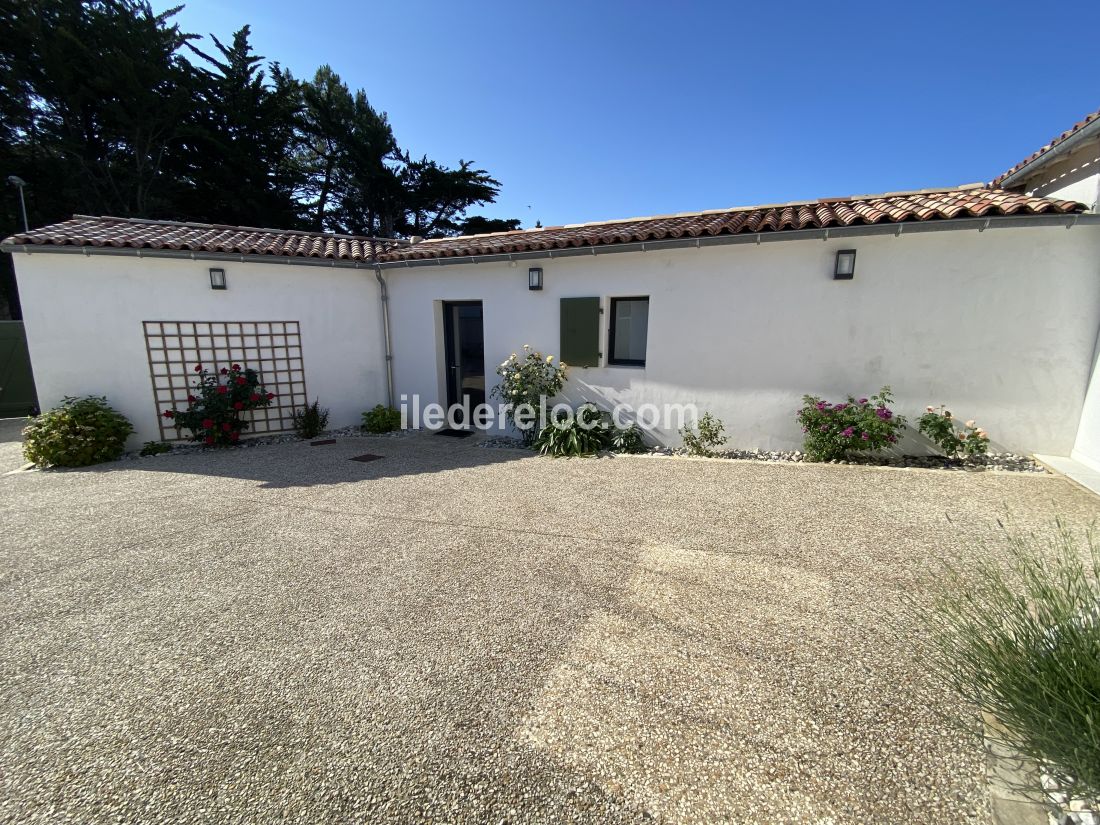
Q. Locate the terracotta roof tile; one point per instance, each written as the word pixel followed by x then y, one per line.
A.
pixel 1034 156
pixel 83 231
pixel 87 231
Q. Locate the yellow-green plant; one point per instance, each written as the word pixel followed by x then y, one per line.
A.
pixel 78 432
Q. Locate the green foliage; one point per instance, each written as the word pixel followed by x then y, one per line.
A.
pixel 155 448
pixel 214 410
pixel 311 420
pixel 571 435
pixel 525 381
pixel 587 431
pixel 834 430
pixel 79 432
pixel 381 419
pixel 1021 642
pixel 107 107
pixel 705 436
pixel 626 439
pixel 939 425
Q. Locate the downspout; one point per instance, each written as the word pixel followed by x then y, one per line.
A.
pixel 384 293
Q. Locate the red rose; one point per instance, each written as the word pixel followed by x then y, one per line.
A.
pixel 226 426
pixel 233 436
pixel 208 423
pixel 225 371
pixel 168 414
pixel 209 439
pixel 237 367
pixel 242 380
pixel 238 406
pixel 198 367
pixel 191 398
pixel 223 390
pixel 270 395
pixel 254 397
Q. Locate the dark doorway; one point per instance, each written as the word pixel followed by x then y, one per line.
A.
pixel 464 340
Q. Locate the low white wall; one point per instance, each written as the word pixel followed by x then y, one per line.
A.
pixel 999 325
pixel 84 317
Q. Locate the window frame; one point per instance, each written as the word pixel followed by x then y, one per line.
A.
pixel 624 362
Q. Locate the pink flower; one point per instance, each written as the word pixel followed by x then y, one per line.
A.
pixel 848 432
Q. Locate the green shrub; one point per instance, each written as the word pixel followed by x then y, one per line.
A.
pixel 1021 642
pixel 525 382
pixel 79 432
pixel 626 439
pixel 702 438
pixel 155 448
pixel 214 409
pixel 311 420
pixel 939 425
pixel 834 430
pixel 381 419
pixel 584 433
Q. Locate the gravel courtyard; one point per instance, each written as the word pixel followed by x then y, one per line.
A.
pixel 458 634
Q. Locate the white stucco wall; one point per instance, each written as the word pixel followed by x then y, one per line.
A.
pixel 84 315
pixel 999 325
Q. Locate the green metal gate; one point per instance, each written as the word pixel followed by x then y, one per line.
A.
pixel 17 396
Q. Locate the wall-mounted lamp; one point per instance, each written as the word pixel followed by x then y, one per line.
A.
pixel 534 278
pixel 845 265
pixel 217 279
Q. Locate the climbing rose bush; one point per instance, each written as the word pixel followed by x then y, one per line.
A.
pixel 214 410
pixel 856 425
pixel 939 425
pixel 527 379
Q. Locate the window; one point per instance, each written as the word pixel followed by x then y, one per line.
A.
pixel 629 330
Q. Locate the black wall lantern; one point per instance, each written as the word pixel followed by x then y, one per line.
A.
pixel 217 279
pixel 534 278
pixel 845 265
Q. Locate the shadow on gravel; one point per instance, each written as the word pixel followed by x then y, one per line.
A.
pixel 298 464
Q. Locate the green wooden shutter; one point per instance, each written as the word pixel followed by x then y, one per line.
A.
pixel 580 332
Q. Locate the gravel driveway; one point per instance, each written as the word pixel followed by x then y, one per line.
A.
pixel 457 634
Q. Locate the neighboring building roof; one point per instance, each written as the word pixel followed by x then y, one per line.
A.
pixel 1077 131
pixel 894 208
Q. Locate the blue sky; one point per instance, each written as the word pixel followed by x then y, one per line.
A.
pixel 596 110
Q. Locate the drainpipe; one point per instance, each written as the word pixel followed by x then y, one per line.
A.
pixel 385 295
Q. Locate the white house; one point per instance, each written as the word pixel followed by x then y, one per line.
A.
pixel 986 298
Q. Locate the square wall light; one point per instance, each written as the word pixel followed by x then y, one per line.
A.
pixel 217 279
pixel 534 278
pixel 845 265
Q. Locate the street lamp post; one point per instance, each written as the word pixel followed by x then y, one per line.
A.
pixel 18 182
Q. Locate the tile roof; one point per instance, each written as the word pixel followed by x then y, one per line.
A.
pixel 1034 156
pixel 821 214
pixel 931 205
pixel 132 233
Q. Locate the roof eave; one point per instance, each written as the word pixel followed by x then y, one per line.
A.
pixel 1068 145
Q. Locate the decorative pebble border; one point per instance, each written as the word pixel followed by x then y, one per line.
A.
pixel 1011 462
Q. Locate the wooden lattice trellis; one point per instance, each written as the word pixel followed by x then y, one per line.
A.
pixel 272 348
